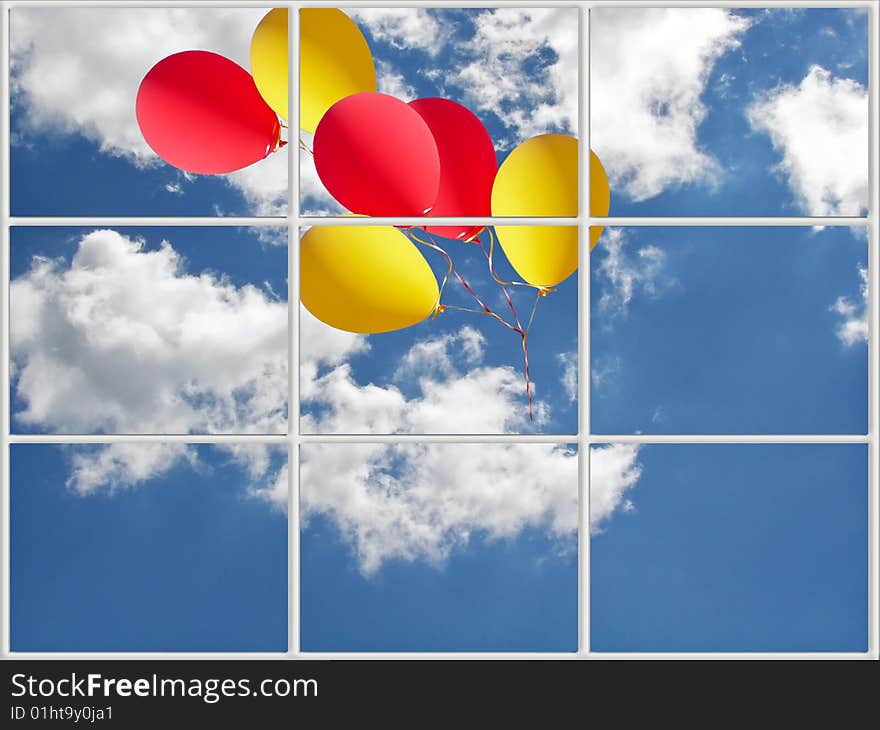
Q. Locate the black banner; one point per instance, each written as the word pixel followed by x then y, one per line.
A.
pixel 135 693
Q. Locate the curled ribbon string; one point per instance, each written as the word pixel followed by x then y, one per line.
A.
pixel 518 328
pixel 438 308
pixel 490 257
pixel 304 146
pixel 461 279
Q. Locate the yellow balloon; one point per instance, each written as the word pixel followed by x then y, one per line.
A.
pixel 334 62
pixel 269 59
pixel 539 178
pixel 600 196
pixel 542 255
pixel 365 279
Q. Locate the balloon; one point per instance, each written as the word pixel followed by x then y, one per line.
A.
pixel 202 113
pixel 269 59
pixel 539 178
pixel 334 62
pixel 365 279
pixel 467 164
pixel 542 255
pixel 600 196
pixel 377 156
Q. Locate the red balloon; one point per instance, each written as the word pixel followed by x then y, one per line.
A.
pixel 467 164
pixel 201 112
pixel 376 156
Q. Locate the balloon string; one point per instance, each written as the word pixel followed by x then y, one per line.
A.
pixel 490 257
pixel 305 147
pixel 438 308
pixel 523 333
pixel 461 279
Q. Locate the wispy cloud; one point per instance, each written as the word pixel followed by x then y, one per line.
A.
pixel 853 327
pixel 626 273
pixel 614 471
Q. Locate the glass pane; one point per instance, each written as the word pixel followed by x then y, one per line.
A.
pixel 379 355
pixel 149 330
pixel 731 111
pixel 95 130
pixel 424 104
pixel 439 547
pixel 730 330
pixel 148 547
pixel 706 547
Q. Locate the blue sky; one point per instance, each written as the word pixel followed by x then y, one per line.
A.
pixel 727 330
pixel 518 595
pixel 737 548
pixel 188 562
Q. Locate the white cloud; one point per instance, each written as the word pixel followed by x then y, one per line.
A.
pixel 650 67
pixel 414 502
pixel 422 501
pixel 614 470
pixel 500 77
pixel 393 83
pixel 454 392
pixel 625 273
pixel 124 340
pixel 100 344
pixel 853 328
pixel 119 466
pixel 400 27
pixel 820 127
pixel 77 71
pixel 519 64
pixel 569 363
pixel 123 465
pixel 273 489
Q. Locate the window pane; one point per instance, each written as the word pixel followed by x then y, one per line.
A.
pixel 424 370
pixel 730 330
pixel 458 90
pixel 706 547
pixel 439 547
pixel 731 111
pixel 78 146
pixel 149 330
pixel 148 547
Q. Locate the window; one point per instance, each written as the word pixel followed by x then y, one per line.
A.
pixel 411 379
